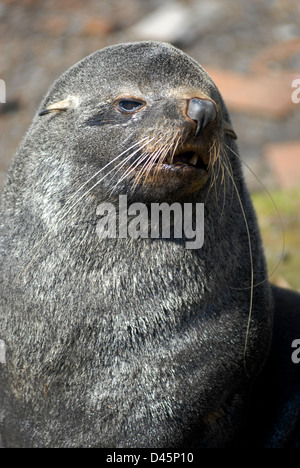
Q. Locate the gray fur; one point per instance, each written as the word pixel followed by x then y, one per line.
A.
pixel 123 342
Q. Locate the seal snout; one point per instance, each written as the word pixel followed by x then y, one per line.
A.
pixel 202 111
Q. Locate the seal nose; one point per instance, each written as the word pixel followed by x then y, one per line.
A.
pixel 202 111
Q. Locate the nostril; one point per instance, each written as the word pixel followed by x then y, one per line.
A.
pixel 202 111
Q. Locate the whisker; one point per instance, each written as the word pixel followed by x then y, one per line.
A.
pixel 95 175
pixel 169 147
pixel 140 174
pixel 215 149
pixel 135 164
pixel 279 217
pixel 149 164
pixel 251 268
pixel 160 157
pixel 62 211
pixel 146 169
pixel 224 185
pixel 227 177
pixel 130 169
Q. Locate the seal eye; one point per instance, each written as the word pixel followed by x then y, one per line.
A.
pixel 129 106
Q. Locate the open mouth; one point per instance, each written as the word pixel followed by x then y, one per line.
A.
pixel 186 158
pixel 187 169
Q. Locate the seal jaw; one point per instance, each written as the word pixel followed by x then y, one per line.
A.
pixel 188 156
pixel 185 171
pixel 184 166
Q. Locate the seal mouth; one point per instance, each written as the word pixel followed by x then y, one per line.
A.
pixel 186 158
pixel 184 168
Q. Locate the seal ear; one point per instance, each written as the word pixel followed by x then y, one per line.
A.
pixel 68 103
pixel 229 131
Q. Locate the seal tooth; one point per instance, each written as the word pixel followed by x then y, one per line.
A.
pixel 194 159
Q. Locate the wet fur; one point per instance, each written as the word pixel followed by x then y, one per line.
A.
pixel 126 342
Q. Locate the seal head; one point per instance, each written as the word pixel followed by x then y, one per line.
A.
pixel 167 127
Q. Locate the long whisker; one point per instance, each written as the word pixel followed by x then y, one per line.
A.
pixel 130 169
pixel 279 217
pixel 169 147
pixel 227 177
pixel 149 164
pixel 140 174
pixel 251 268
pixel 150 160
pixel 135 164
pixel 160 157
pixel 108 173
pixel 224 186
pixel 66 212
pixel 215 155
pixel 95 175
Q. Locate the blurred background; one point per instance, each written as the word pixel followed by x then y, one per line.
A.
pixel 251 48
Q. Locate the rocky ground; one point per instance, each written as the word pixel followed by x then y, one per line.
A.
pixel 251 49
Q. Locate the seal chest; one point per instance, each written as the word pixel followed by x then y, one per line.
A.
pixel 103 332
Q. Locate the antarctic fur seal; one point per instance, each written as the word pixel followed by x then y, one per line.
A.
pixel 131 341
